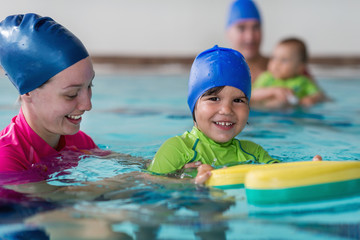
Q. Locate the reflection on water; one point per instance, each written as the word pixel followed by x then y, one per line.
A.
pixel 92 197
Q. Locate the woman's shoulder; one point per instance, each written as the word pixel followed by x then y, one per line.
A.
pixel 12 158
pixel 80 140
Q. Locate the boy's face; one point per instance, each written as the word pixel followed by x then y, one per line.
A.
pixel 285 62
pixel 245 37
pixel 222 116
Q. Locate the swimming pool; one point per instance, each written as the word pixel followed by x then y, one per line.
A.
pixel 134 114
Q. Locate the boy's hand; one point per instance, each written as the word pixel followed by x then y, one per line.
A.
pixel 317 158
pixel 204 172
pixel 192 165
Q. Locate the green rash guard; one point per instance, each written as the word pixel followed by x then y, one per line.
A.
pixel 301 85
pixel 195 146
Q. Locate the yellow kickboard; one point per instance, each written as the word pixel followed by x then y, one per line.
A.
pixel 282 175
pixel 235 175
pixel 303 174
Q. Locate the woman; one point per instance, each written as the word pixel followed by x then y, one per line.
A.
pixel 53 73
pixel 243 30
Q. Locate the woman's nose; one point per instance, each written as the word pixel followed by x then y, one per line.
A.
pixel 85 101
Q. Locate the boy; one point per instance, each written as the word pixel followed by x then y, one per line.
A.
pixel 218 98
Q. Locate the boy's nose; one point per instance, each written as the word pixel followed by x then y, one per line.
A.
pixel 225 108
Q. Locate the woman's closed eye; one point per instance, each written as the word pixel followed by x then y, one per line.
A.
pixel 72 96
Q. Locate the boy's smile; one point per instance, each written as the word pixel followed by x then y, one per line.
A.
pixel 222 116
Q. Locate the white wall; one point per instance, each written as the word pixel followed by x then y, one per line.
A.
pixel 186 27
pixel 330 27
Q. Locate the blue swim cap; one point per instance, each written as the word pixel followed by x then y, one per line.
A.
pixel 34 49
pixel 241 10
pixel 218 67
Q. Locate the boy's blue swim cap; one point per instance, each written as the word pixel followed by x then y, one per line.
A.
pixel 241 10
pixel 218 67
pixel 34 49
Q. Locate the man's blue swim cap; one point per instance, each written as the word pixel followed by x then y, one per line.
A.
pixel 241 10
pixel 33 49
pixel 218 67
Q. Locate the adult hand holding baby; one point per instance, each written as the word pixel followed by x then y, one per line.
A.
pixel 275 97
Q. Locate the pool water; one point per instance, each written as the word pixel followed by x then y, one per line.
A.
pixel 111 198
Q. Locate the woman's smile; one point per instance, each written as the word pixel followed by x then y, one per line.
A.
pixel 75 119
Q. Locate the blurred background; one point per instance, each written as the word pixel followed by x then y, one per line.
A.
pixel 148 32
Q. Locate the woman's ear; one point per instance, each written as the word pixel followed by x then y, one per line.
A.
pixel 27 97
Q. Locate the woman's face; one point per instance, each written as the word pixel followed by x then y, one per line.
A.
pixel 245 37
pixel 56 108
pixel 222 116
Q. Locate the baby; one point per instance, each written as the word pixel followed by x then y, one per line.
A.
pixel 284 84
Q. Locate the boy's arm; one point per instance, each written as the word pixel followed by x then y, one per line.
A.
pixel 257 152
pixel 171 156
pixel 264 156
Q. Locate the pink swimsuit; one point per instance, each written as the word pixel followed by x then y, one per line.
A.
pixel 21 147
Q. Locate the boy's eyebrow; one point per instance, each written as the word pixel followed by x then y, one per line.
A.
pixel 244 97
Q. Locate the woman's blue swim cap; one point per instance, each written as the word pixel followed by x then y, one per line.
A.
pixel 34 49
pixel 241 10
pixel 218 67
